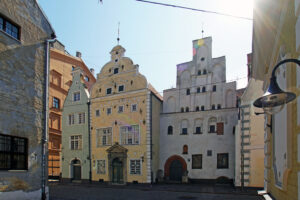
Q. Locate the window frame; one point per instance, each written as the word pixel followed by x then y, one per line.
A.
pixel 135 108
pixel 81 120
pixel 79 140
pixel 56 103
pixel 108 89
pixel 214 89
pixel 5 20
pixel 107 109
pixel 194 157
pixel 170 130
pixel 221 165
pixel 184 132
pixel 121 86
pixel 127 133
pixel 197 128
pixel 135 170
pixel 97 113
pixel 75 97
pixel 122 110
pixel 108 136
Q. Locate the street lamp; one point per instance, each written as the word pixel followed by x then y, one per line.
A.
pixel 275 98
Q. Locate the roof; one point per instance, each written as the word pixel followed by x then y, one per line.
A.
pixel 53 35
pixel 153 90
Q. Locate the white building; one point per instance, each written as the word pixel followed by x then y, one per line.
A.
pixel 198 120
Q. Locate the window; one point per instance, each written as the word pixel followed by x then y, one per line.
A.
pixel 135 166
pixel 133 108
pixel 86 78
pixel 55 103
pixel 184 131
pixel 9 28
pixel 185 149
pixel 100 166
pixel 187 109
pixel 199 72
pixel 222 160
pixel 214 88
pixel 121 88
pixel 108 111
pixel 182 109
pixel 188 92
pixel 220 128
pixel 130 135
pixel 203 89
pixel 204 71
pixel 108 91
pixel 73 68
pixel 97 113
pixel 71 119
pixel 170 130
pixel 104 136
pixel 13 153
pixel 209 152
pixel 197 161
pixel 213 107
pixel 212 125
pixel 198 130
pixel 121 108
pixel 116 70
pixel 54 121
pixel 76 142
pixel 197 108
pixel 212 129
pixel 219 106
pixel 202 59
pixel 202 108
pixel 198 90
pixel 81 118
pixel 76 96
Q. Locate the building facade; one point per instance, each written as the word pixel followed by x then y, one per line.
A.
pixel 75 131
pixel 125 123
pixel 276 36
pixel 24 35
pixel 61 66
pixel 198 120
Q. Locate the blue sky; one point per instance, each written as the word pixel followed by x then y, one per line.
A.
pixel 155 37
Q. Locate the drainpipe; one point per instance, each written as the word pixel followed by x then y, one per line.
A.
pixel 46 113
pixel 89 132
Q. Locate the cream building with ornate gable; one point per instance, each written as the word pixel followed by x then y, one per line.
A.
pixel 125 113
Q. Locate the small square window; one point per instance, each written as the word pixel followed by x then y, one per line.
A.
pixel 133 107
pixel 121 88
pixel 198 130
pixel 184 131
pixel 209 152
pixel 108 91
pixel 76 96
pixel 116 70
pixel 97 113
pixel 121 109
pixel 108 111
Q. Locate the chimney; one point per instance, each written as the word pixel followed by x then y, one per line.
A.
pixel 78 54
pixel 92 71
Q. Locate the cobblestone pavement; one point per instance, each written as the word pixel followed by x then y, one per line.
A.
pixel 141 192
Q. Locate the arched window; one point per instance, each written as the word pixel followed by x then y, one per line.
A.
pixel 185 149
pixel 199 72
pixel 184 127
pixel 204 71
pixel 170 130
pixel 197 108
pixel 203 89
pixel 188 91
pixel 213 107
pixel 182 109
pixel 198 90
pixel 219 106
pixel 202 108
pixel 187 109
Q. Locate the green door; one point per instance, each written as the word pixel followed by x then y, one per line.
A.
pixel 176 171
pixel 117 171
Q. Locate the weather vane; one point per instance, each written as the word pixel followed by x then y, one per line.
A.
pixel 118 39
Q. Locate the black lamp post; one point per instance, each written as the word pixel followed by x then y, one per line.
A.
pixel 275 98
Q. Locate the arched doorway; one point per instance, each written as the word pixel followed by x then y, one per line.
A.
pixel 117 171
pixel 76 169
pixel 174 168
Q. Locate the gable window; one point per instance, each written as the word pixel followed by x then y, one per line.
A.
pixel 170 130
pixel 108 111
pixel 135 166
pixel 9 28
pixel 100 166
pixel 55 103
pixel 121 88
pixel 13 153
pixel 202 108
pixel 116 70
pixel 222 160
pixel 199 72
pixel 81 118
pixel 197 161
pixel 188 92
pixel 76 142
pixel 133 107
pixel 104 136
pixel 121 108
pixel 108 91
pixel 198 90
pixel 185 149
pixel 130 135
pixel 97 113
pixel 197 108
pixel 198 130
pixel 71 119
pixel 213 107
pixel 76 96
pixel 203 89
pixel 214 88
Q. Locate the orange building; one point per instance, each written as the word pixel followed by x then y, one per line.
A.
pixel 61 66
